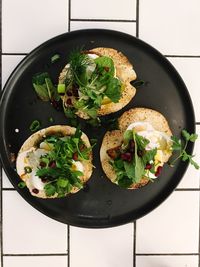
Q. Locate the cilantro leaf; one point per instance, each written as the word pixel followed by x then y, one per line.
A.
pixel 130 170
pixel 186 135
pixel 50 189
pixel 195 164
pixel 176 144
pixel 105 63
pixel 181 146
pixel 149 156
pixel 193 137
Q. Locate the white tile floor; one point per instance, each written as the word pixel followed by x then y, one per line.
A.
pixel 105 244
pixel 127 27
pixel 171 26
pixel 26 23
pixel 166 261
pixel 168 236
pixel 171 228
pixel 28 261
pixel 103 9
pixel 27 231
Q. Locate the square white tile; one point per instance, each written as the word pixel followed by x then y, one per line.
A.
pixel 167 261
pixel 26 23
pixel 189 71
pixel 102 247
pixel 103 9
pixel 127 27
pixel 191 179
pixel 9 62
pixel 171 228
pixel 26 230
pixel 40 261
pixel 171 26
pixel 5 181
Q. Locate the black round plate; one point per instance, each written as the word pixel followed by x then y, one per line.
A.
pixel 100 203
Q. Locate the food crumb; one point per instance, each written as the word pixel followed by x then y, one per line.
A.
pixel 17 130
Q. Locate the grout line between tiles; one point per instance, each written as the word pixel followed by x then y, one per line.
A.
pixel 134 244
pixel 8 189
pixel 105 20
pixel 188 189
pixel 137 18
pixel 197 123
pixel 69 15
pixel 68 245
pixel 14 54
pixel 167 254
pixel 35 255
pixel 184 56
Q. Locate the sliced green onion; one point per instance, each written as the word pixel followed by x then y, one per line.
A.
pixel 55 57
pixel 27 169
pixel 35 126
pixel 61 88
pixel 51 119
pixel 21 184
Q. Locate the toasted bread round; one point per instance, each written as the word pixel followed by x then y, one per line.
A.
pixel 124 71
pixel 155 118
pixel 35 139
pixel 114 138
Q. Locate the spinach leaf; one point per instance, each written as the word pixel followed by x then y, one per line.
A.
pixel 105 64
pixel 130 170
pixel 113 90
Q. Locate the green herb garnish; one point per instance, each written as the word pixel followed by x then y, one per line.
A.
pixel 51 119
pixel 35 126
pixel 181 146
pixel 44 87
pixel 58 163
pixel 94 79
pixel 132 170
pixel 55 58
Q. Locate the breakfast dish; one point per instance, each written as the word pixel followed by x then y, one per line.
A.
pixel 99 203
pixel 96 82
pixel 135 154
pixel 55 161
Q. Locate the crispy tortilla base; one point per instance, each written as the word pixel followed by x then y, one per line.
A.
pixel 114 138
pixel 124 71
pixel 35 138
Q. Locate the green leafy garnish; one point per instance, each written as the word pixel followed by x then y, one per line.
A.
pixel 55 58
pixel 138 162
pixel 57 164
pixel 181 147
pixel 35 126
pixel 94 79
pixel 51 119
pixel 44 87
pixel 131 171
